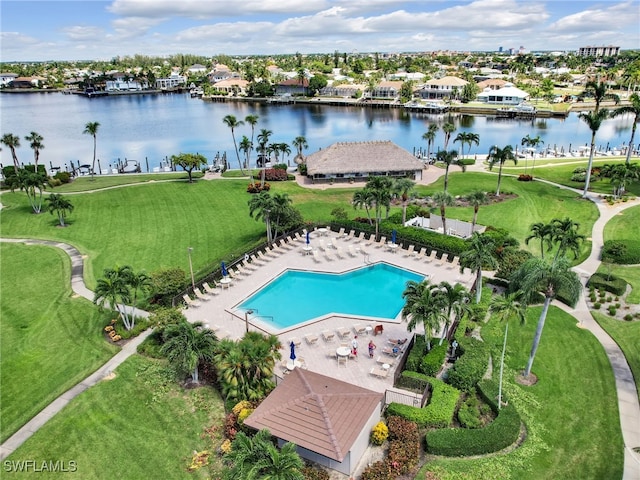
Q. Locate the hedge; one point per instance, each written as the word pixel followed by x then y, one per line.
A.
pixel 416 354
pixel 609 283
pixel 499 434
pixel 413 381
pixel 432 361
pixel 471 366
pixel 438 413
pixel 626 252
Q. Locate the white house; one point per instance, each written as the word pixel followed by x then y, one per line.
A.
pixel 445 87
pixel 175 80
pixel 507 95
pixel 7 78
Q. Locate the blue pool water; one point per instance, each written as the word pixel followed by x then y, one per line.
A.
pixel 296 297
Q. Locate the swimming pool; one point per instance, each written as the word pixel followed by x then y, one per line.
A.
pixel 295 297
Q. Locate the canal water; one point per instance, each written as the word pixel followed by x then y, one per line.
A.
pixel 150 128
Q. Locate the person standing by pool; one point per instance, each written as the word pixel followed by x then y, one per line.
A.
pixel 354 346
pixel 372 347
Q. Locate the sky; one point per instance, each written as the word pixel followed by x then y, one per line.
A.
pixel 101 30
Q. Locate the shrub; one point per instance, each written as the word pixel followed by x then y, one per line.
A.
pixel 597 305
pixel 310 472
pixel 244 413
pixel 471 366
pixel 467 161
pixel 438 413
pixel 241 405
pixel 257 187
pixel 413 381
pixel 280 166
pixel 509 260
pixel 403 454
pixel 275 174
pixel 580 170
pixel 433 360
pixel 141 325
pixel 621 251
pixel 525 178
pixel 302 168
pixel 379 434
pixel 499 434
pixel 628 317
pixel 415 355
pixel 469 412
pixel 609 283
pixel 63 177
pixel 579 177
pixel 612 310
pixel 167 283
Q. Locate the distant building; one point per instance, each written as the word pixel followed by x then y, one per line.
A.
pixel 507 95
pixel 173 81
pixel 293 86
pixel 7 78
pixel 232 85
pixel 609 51
pixel 387 89
pixel 445 87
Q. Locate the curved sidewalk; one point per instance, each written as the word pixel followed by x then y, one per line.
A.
pixel 78 286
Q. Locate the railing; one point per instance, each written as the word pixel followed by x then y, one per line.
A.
pixel 403 397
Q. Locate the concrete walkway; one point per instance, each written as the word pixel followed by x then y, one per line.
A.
pixel 78 286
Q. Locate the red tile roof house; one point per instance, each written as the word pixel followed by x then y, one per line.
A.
pixel 329 420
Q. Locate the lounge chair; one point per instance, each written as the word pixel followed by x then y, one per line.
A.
pixel 360 329
pixel 455 262
pixel 339 252
pixel 410 251
pixel 241 270
pixel 328 336
pixel 209 290
pixel 385 361
pixel 398 341
pixel 256 261
pixel 360 237
pixel 316 257
pixel 343 332
pixel 189 301
pixel 332 354
pixel 351 251
pixel 381 243
pixel 199 294
pixel 263 257
pixel 249 267
pixel 422 253
pixel 296 341
pixel 328 256
pixel 311 339
pixel 372 239
pixel 391 351
pixel 432 256
pixel 233 274
pixel 379 372
pixel 351 235
pixel 341 232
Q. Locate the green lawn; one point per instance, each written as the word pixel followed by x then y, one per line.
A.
pixel 49 340
pixel 627 336
pixel 82 184
pixel 624 226
pixel 630 273
pixel 573 428
pixel 140 425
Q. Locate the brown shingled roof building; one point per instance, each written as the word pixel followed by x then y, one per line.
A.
pixel 359 160
pixel 329 420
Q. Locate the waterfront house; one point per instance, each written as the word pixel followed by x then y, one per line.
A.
pixel 122 82
pixel 174 81
pixel 196 68
pixel 7 78
pixel 293 86
pixel 327 419
pixel 343 90
pixel 27 82
pixel 232 85
pixel 441 88
pixel 491 84
pixel 387 89
pixel 507 95
pixel 350 161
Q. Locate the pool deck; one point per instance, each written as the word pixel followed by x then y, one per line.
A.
pixel 218 310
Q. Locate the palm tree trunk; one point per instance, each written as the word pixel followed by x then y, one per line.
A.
pixel 404 213
pixel 475 218
pixel 194 375
pixel 479 285
pixel 446 177
pixel 536 338
pixel 93 165
pixel 237 152
pixel 504 347
pixel 589 165
pixel 444 219
pixel 499 179
pixel 633 134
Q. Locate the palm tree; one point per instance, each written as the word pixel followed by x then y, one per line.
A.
pixel 60 205
pixel 35 142
pixel 448 128
pixel 380 188
pixel 599 92
pixel 261 206
pixel 442 200
pixel 423 307
pixel 363 199
pixel 565 234
pixel 112 289
pixel 403 187
pixel 300 143
pixel 448 158
pixel 506 307
pixel 186 345
pixel 544 233
pixel 621 176
pixel 285 150
pixel 467 138
pixel 253 121
pixel 280 206
pixel 533 142
pixel 32 183
pixel 430 136
pixel 537 275
pixel 138 283
pixel 455 300
pixel 500 156
pixel 245 147
pixel 633 109
pixel 282 464
pixel 475 199
pixel 263 140
pixel 232 122
pixel 480 254
pixel 594 121
pixel 91 128
pixel 12 141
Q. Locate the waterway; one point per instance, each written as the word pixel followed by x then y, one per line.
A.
pixel 150 128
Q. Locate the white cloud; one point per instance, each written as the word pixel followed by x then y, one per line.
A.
pixel 83 33
pixel 594 20
pixel 130 27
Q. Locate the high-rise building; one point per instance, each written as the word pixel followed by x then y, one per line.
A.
pixel 608 51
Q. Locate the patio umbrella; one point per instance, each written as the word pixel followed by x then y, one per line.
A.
pixel 292 356
pixel 224 270
pixel 393 236
pixel 308 241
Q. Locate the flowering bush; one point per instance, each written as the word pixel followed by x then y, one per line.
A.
pixel 257 187
pixel 231 426
pixel 225 447
pixel 241 405
pixel 379 433
pixel 244 413
pixel 199 459
pixel 525 178
pixel 275 174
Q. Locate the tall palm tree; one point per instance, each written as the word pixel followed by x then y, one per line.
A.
pixel 594 121
pixel 544 233
pixel 111 290
pixel 12 141
pixel 300 143
pixel 633 109
pixel 60 205
pixel 91 128
pixel 500 156
pixel 260 207
pixel 622 175
pixel 430 137
pixel 32 183
pixel 448 158
pixel 448 129
pixel 599 92
pixel 232 122
pixel 280 206
pixel 442 200
pixel 138 283
pixel 467 138
pixel 253 121
pixel 186 345
pixel 475 199
pixel 380 188
pixel 533 142
pixel 480 254
pixel 455 300
pixel 245 147
pixel 537 275
pixel 404 187
pixel 35 142
pixel 285 150
pixel 263 140
pixel 565 234
pixel 423 307
pixel 363 199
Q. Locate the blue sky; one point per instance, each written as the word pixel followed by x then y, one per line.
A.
pixel 72 30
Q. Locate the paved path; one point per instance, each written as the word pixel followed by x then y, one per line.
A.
pixel 78 286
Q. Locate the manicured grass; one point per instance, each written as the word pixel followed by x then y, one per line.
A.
pixel 536 202
pixel 49 340
pixel 139 425
pixel 83 184
pixel 571 413
pixel 624 226
pixel 627 336
pixel 630 273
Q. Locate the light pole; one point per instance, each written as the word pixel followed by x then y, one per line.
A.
pixel 246 319
pixel 193 283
